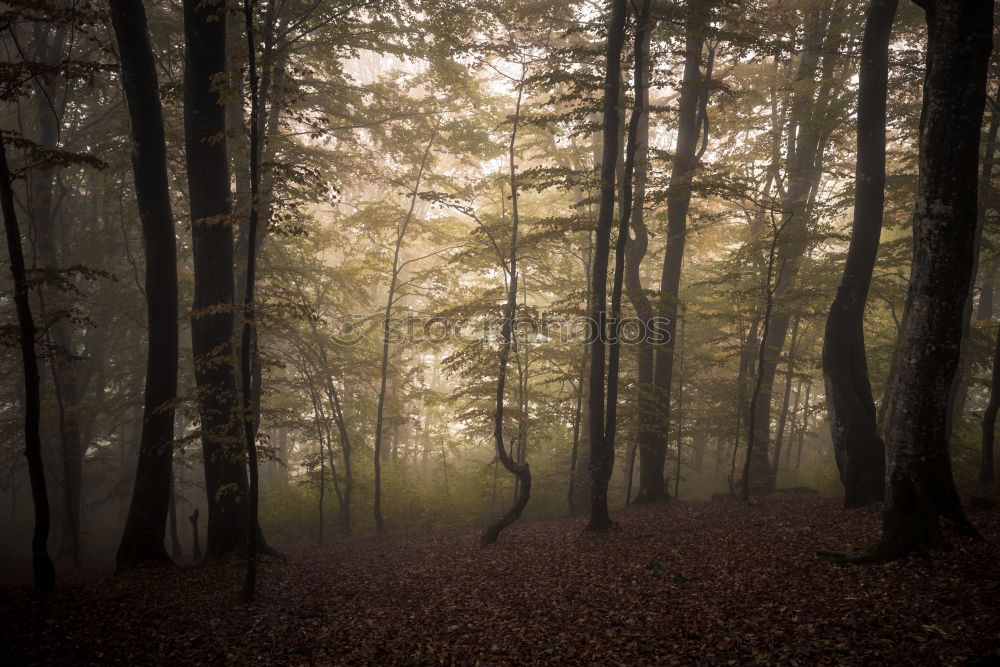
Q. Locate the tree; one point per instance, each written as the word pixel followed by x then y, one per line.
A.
pixel 223 445
pixel 387 330
pixel 146 523
pixel 601 456
pixel 44 572
pixel 250 432
pixel 859 450
pixel 920 487
pixel 811 121
pixel 519 469
pixel 654 432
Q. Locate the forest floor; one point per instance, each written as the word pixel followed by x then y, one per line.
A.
pixel 684 583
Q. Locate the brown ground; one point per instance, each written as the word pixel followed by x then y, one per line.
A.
pixel 683 583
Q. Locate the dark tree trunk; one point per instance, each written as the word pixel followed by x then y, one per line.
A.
pixel 223 445
pixel 146 523
pixel 680 413
pixel 249 336
pixel 857 446
pixel 519 469
pixel 920 485
pixel 752 432
pixel 195 542
pixel 625 216
pixel 601 458
pixel 44 572
pixel 649 442
pixel 175 540
pixel 651 480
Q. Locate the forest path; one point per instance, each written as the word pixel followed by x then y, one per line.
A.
pixel 680 583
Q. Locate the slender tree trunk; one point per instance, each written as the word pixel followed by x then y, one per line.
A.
pixel 386 330
pixel 685 162
pixel 600 456
pixel 577 413
pixel 808 130
pixel 625 216
pixel 175 540
pixel 249 316
pixel 920 484
pixel 680 412
pixel 649 437
pixel 793 428
pixel 786 398
pixel 215 362
pixel 146 522
pixel 44 572
pixel 804 428
pixel 761 352
pixel 519 469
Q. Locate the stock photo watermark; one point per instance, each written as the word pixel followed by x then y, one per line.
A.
pixel 544 328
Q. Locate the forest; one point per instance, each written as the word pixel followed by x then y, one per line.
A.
pixel 499 331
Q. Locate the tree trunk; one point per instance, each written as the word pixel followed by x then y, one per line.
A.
pixel 807 133
pixel 761 356
pixel 920 484
pixel 146 523
pixel 577 413
pixel 804 428
pixel 519 469
pixel 793 428
pixel 625 216
pixel 58 332
pixel 652 453
pixel 44 572
pixel 680 412
pixel 386 324
pixel 651 481
pixel 787 395
pixel 249 337
pixel 223 443
pixel 175 540
pixel 601 458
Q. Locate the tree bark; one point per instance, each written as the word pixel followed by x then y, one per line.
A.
pixel 44 572
pixel 920 485
pixel 223 445
pixel 146 522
